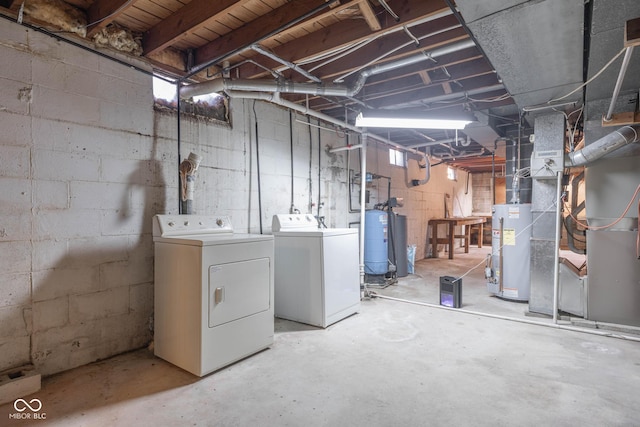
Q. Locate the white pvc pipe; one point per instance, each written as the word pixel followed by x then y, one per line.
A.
pixel 345 148
pixel 363 200
pixel 616 90
pixel 513 319
pixel 556 257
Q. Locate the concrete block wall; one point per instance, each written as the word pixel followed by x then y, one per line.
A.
pixel 80 178
pixel 421 203
pixel 482 192
pixel 86 161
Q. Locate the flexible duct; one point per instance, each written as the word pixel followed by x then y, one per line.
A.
pixel 603 146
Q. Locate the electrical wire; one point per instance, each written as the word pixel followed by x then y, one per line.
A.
pixel 591 79
pixel 115 12
pixel 512 319
pixel 514 237
pixel 602 227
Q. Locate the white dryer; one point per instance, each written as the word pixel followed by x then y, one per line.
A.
pixel 317 278
pixel 213 292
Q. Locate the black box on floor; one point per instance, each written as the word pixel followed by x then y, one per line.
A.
pixel 450 291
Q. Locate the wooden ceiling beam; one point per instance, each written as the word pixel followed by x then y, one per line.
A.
pixel 185 21
pixel 103 12
pixel 460 70
pixel 429 92
pixel 339 35
pixel 369 15
pixel 256 30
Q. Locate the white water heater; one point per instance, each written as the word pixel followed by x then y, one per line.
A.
pixel 510 252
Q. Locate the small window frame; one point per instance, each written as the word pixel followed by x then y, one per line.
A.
pixel 397 158
pixel 452 173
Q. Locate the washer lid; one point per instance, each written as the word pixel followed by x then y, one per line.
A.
pixel 283 222
pixel 214 239
pixel 321 232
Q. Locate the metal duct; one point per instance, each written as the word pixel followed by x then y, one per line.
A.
pixel 448 96
pixel 280 86
pixel 603 146
pixel 219 85
pixel 410 60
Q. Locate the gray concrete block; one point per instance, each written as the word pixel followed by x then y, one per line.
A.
pixel 50 134
pixel 60 282
pixel 14 351
pixel 96 305
pixel 48 254
pixel 15 195
pixel 16 289
pixel 19 98
pixel 14 63
pixel 141 299
pixel 18 383
pixel 14 322
pixel 51 195
pixel 64 166
pixel 15 161
pixel 50 73
pixel 122 273
pixel 15 224
pixel 16 257
pixel 16 129
pixel 51 313
pixel 66 224
pixel 111 195
pixel 59 105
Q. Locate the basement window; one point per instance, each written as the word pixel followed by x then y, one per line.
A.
pixel 212 106
pixel 396 157
pixel 452 173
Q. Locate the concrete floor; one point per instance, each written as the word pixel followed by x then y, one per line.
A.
pixel 393 364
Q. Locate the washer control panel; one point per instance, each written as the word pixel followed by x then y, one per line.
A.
pixel 291 222
pixel 184 225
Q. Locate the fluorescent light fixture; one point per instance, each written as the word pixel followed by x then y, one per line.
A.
pixel 409 120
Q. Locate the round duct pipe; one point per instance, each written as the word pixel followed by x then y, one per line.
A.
pixel 603 146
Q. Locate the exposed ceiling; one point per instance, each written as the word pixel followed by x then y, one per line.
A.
pixel 394 54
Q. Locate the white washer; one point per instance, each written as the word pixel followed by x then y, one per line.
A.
pixel 213 292
pixel 317 278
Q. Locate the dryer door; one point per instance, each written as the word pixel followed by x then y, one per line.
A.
pixel 237 290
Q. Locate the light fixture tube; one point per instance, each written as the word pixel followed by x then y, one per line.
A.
pixel 410 122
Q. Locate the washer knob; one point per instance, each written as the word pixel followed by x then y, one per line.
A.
pixel 219 222
pixel 171 223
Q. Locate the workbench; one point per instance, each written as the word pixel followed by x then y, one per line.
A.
pixel 452 223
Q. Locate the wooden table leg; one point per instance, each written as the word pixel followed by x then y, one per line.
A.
pixel 451 239
pixel 480 234
pixel 434 241
pixel 467 238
